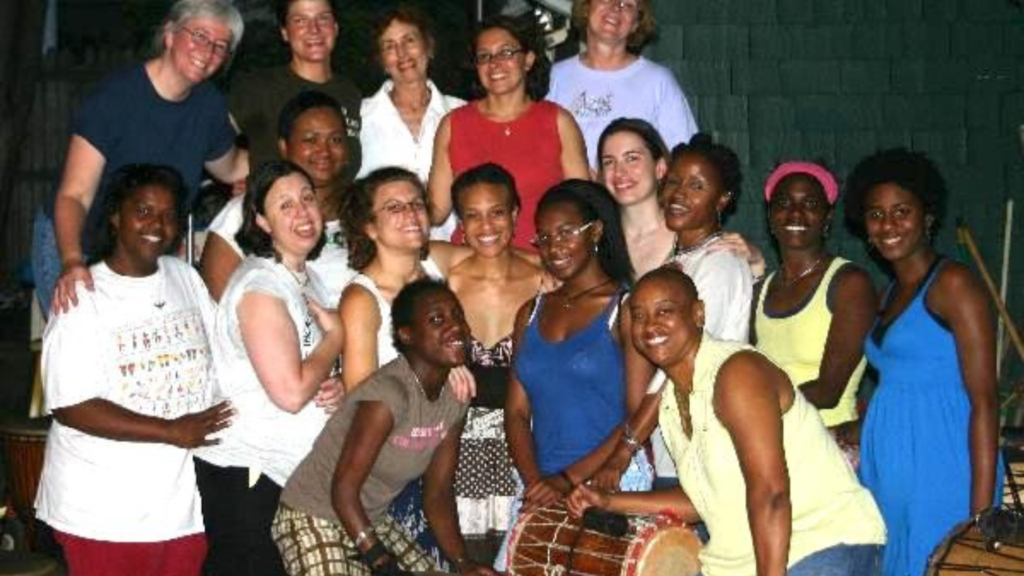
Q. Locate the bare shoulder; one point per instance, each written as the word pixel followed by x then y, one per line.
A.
pixel 358 305
pixel 748 372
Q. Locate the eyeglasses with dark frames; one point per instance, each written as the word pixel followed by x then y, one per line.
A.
pixel 503 55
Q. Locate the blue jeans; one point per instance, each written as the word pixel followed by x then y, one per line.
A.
pixel 841 560
pixel 45 260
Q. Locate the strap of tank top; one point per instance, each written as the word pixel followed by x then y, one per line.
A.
pixel 536 306
pixel 618 299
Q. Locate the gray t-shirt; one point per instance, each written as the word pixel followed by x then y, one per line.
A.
pixel 419 427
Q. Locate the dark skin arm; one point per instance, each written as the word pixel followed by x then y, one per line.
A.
pixel 650 503
pixel 642 423
pixel 105 419
pixel 958 298
pixel 751 395
pixel 439 502
pixel 638 371
pixel 540 491
pixel 370 428
pixel 852 318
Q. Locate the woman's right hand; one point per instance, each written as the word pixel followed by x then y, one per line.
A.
pixel 738 245
pixel 64 295
pixel 328 320
pixel 585 497
pixel 607 478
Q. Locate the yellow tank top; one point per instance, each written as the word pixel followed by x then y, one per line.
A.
pixel 829 505
pixel 796 343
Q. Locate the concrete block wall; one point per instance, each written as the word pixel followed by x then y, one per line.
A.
pixel 838 79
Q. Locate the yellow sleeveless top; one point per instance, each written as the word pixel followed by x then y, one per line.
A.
pixel 830 507
pixel 796 343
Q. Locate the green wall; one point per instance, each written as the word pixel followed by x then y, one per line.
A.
pixel 837 79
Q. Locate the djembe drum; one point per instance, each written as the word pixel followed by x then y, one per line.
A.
pixel 548 541
pixel 964 552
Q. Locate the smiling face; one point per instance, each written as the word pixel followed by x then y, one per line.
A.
pixel 501 75
pixel 317 144
pixel 693 195
pixel 438 331
pixel 566 240
pixel 667 319
pixel 291 216
pixel 612 21
pixel 629 170
pixel 488 218
pixel 404 52
pixel 198 48
pixel 146 226
pixel 400 217
pixel 896 222
pixel 311 31
pixel 799 212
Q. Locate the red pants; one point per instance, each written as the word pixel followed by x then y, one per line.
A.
pixel 179 557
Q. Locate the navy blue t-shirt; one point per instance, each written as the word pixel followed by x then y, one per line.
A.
pixel 127 121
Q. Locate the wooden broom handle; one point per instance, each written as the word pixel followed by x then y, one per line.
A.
pixel 963 234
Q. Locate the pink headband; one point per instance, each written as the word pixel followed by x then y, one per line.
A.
pixel 823 176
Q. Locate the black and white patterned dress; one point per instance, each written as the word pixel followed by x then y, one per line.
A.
pixel 484 483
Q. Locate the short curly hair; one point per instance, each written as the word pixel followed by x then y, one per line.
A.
pixel 403 309
pixel 913 171
pixel 525 31
pixel 720 156
pixel 407 15
pixel 637 39
pixel 252 239
pixel 357 212
pixel 124 183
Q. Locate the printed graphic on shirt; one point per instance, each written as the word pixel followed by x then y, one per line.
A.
pixel 586 106
pixel 421 438
pixel 163 365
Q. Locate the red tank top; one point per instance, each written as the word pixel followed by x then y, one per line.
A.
pixel 528 147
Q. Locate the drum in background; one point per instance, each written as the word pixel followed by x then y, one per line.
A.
pixel 964 553
pixel 549 541
pixel 23 441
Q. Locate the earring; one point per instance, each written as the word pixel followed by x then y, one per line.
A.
pixel 828 229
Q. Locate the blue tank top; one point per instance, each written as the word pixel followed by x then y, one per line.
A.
pixel 576 388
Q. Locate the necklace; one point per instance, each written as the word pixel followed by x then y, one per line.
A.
pixel 678 250
pixel 160 297
pixel 508 130
pixel 569 301
pixel 301 278
pixel 806 271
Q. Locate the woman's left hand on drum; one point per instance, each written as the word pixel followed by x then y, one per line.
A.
pixel 545 492
pixel 586 496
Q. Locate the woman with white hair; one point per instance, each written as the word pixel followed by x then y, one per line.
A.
pixel 162 110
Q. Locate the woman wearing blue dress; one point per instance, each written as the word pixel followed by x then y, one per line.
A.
pixel 929 444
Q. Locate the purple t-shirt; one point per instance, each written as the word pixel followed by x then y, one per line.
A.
pixel 642 90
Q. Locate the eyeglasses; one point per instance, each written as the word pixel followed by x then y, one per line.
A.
pixel 562 236
pixel 624 6
pixel 397 208
pixel 322 20
pixel 503 55
pixel 203 42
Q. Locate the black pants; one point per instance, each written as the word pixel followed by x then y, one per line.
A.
pixel 238 520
